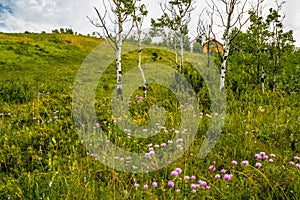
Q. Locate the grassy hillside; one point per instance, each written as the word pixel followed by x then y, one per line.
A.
pixel 35 60
pixel 42 157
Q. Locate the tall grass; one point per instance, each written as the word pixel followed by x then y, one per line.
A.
pixel 42 157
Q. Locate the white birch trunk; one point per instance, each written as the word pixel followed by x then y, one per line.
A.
pixel 118 65
pixel 224 63
pixel 139 64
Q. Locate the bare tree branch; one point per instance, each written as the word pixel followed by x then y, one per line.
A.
pixel 231 14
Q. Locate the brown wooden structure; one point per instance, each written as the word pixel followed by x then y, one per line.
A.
pixel 213 46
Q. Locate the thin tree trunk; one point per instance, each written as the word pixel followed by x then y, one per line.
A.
pixel 139 64
pixel 119 66
pixel 175 48
pixel 208 47
pixel 275 73
pixel 208 60
pixel 208 53
pixel 257 71
pixel 262 79
pixel 181 52
pixel 224 63
pixel 176 53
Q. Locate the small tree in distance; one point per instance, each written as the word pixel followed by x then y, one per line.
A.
pixel 176 16
pixel 205 31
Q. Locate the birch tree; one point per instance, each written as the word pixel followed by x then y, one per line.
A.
pixel 176 16
pixel 138 16
pixel 230 13
pixel 118 14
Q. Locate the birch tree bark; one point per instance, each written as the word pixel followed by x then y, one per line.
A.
pixel 119 60
pixel 118 13
pixel 230 13
pixel 139 13
pixel 224 62
pixel 139 65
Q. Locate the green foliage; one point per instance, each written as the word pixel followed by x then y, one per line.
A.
pixel 64 31
pixel 265 47
pixel 176 16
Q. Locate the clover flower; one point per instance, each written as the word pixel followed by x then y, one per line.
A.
pixel 262 153
pixel 163 145
pixel 171 184
pixel 174 173
pixel 217 176
pixel 245 162
pixel 265 157
pixel 212 168
pixel 178 170
pixel 227 177
pixel 258 165
pixel 202 183
pixel 234 162
pixel 272 155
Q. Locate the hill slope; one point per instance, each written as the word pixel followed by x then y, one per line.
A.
pixel 42 157
pixel 41 62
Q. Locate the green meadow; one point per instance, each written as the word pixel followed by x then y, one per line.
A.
pixel 42 156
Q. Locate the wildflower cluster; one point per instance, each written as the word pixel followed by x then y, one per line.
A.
pixel 296 159
pixel 175 182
